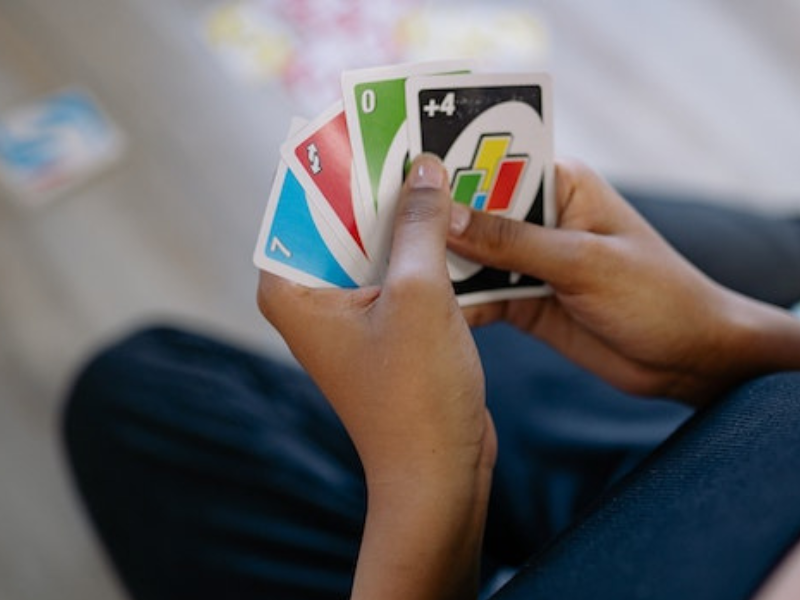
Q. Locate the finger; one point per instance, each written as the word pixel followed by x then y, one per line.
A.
pixel 588 208
pixel 589 211
pixel 419 240
pixel 552 255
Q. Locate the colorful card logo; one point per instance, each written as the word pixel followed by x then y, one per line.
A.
pixel 491 182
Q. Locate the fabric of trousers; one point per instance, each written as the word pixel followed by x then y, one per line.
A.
pixel 707 516
pixel 213 472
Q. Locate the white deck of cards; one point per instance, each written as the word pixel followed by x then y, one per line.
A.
pixel 329 218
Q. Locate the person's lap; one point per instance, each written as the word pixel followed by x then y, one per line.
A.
pixel 210 471
pixel 207 469
pixel 708 516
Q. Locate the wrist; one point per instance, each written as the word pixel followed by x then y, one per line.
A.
pixel 753 339
pixel 431 456
pixel 424 533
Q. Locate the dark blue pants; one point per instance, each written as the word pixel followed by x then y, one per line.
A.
pixel 210 472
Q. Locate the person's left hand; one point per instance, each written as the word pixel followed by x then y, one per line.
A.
pixel 400 367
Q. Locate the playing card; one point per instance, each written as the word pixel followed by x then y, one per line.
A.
pixel 292 241
pixel 375 106
pixel 320 157
pixel 494 134
pixel 55 143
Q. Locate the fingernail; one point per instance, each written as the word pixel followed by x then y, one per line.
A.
pixel 460 216
pixel 427 173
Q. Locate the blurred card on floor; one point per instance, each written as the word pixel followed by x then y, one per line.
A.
pixel 53 144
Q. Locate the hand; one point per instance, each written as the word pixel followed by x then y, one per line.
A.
pixel 399 366
pixel 625 305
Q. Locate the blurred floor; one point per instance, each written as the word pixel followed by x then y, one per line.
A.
pixel 694 96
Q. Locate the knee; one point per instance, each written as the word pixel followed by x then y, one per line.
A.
pixel 777 392
pixel 766 408
pixel 110 383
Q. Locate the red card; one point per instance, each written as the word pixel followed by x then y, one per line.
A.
pixel 325 159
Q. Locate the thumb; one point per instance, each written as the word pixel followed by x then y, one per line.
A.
pixel 419 242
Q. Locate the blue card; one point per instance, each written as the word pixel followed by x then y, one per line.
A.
pixel 293 241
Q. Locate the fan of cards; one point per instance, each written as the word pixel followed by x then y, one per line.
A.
pixel 329 218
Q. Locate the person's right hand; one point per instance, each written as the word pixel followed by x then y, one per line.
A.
pixel 625 304
pixel 400 368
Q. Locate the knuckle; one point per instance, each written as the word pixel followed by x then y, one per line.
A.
pixel 414 287
pixel 263 296
pixel 417 289
pixel 572 178
pixel 499 234
pixel 572 171
pixel 421 207
pixel 595 254
pixel 495 241
pixel 509 233
pixel 275 295
pixel 266 304
pixel 588 247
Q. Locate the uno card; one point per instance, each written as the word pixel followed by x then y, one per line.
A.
pixel 55 143
pixel 495 136
pixel 375 106
pixel 291 243
pixel 321 158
